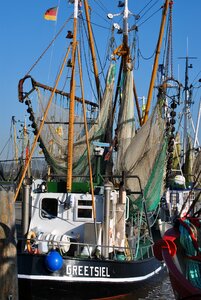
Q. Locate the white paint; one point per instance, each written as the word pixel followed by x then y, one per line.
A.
pixel 75 9
pixel 89 279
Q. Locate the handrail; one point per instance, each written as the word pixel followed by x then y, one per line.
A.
pixel 59 244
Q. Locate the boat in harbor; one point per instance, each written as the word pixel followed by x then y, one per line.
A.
pixel 88 228
pixel 14 153
pixel 183 156
pixel 180 250
pixel 180 245
pixel 180 216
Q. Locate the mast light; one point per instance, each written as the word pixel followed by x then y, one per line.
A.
pixel 116 26
pixel 110 16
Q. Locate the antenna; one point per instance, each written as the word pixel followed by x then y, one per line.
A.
pixel 187 46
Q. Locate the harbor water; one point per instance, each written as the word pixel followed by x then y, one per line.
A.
pixel 160 289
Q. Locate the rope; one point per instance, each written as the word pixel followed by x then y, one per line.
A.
pixel 102 6
pixel 149 17
pixel 147 11
pixel 138 235
pixel 33 66
pixel 194 202
pixel 86 57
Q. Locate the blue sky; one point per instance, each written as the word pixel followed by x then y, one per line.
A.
pixel 25 34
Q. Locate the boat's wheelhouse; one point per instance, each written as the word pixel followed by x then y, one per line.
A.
pixel 54 215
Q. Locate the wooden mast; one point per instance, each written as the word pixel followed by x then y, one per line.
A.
pixel 91 44
pixel 154 71
pixel 72 105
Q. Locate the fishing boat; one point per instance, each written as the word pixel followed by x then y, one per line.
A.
pixel 179 247
pixel 183 155
pixel 180 250
pixel 180 218
pixel 183 151
pixel 89 227
pixel 14 153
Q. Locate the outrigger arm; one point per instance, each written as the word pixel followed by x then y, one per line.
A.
pixel 41 126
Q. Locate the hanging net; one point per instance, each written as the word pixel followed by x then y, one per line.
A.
pixel 145 156
pixel 54 136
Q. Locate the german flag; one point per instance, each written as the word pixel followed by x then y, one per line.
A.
pixel 51 14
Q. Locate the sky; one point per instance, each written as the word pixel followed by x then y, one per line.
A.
pixel 25 34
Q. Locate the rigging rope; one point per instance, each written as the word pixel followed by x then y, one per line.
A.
pixel 146 6
pixel 56 36
pixel 147 58
pixel 148 10
pixel 185 202
pixel 52 49
pixel 86 57
pixel 169 54
pixel 102 6
pixel 149 17
pixel 139 51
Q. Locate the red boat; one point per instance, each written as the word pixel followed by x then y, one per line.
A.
pixel 180 249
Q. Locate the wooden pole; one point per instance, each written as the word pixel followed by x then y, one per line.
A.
pixel 153 76
pixel 8 252
pixel 49 88
pixel 15 140
pixel 72 105
pixel 93 54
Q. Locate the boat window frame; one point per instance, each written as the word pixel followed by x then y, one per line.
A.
pixel 83 207
pixel 49 215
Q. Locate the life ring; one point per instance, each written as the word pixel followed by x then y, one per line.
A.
pixel 31 235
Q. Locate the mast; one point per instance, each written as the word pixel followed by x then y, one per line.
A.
pixel 123 49
pixel 91 44
pixel 126 57
pixel 72 105
pixel 15 139
pixel 125 33
pixel 197 127
pixel 154 71
pixel 187 103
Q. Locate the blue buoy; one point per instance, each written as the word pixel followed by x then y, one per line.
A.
pixel 53 261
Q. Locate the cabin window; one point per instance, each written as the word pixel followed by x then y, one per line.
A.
pixel 84 213
pixel 83 209
pixel 84 203
pixel 49 208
